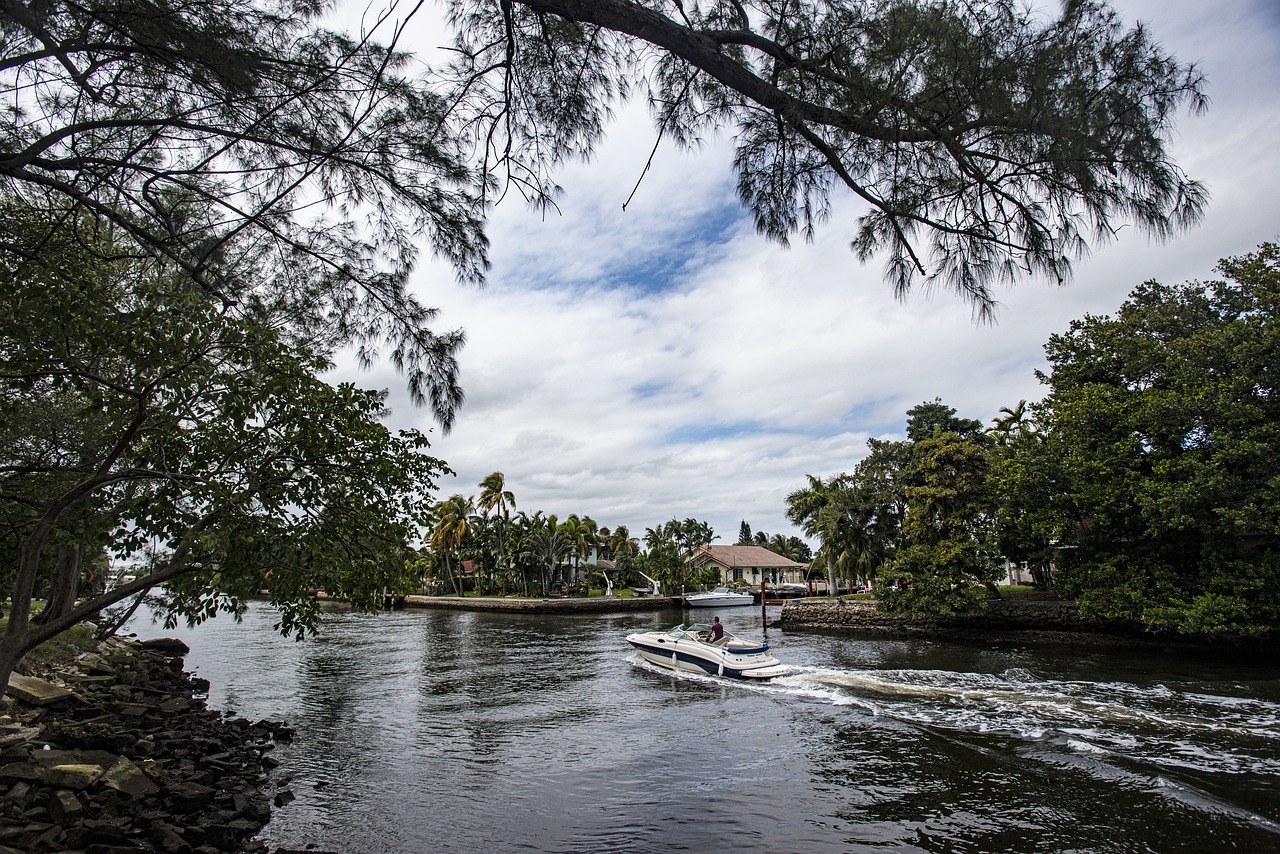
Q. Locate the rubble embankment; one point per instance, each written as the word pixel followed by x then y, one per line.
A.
pixel 117 752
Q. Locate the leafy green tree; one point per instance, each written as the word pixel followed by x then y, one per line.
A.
pixel 744 534
pixel 198 129
pixel 1161 433
pixel 200 445
pixel 945 553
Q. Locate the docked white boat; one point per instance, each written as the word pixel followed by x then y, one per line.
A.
pixel 689 648
pixel 718 598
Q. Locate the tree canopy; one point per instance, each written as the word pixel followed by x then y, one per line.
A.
pixel 1157 455
pixel 1144 485
pixel 987 141
pixel 142 420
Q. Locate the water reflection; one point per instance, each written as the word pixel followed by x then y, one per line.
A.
pixel 421 730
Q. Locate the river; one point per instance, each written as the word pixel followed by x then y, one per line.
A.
pixel 474 731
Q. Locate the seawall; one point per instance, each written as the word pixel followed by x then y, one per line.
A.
pixel 1021 619
pixel 543 606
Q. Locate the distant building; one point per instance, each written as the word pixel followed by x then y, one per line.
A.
pixel 748 565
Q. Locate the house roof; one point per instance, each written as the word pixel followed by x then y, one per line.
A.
pixel 747 557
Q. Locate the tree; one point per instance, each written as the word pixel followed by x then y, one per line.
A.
pixel 946 552
pixel 933 417
pixel 986 141
pixel 577 535
pixel 197 444
pixel 819 510
pixel 450 529
pixel 1160 445
pixel 744 534
pixel 199 129
pixel 494 496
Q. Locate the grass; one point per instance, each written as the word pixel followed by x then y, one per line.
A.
pixel 57 651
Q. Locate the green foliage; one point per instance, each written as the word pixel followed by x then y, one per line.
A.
pixel 1159 461
pixel 944 552
pixel 195 443
pixel 183 125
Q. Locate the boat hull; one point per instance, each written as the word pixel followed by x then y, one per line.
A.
pixel 718 600
pixel 691 656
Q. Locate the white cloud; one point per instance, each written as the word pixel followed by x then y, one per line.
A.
pixel 712 396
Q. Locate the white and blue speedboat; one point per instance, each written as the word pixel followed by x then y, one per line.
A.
pixel 689 648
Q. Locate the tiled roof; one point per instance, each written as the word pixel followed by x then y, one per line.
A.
pixel 743 556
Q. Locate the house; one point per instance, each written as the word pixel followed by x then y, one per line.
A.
pixel 748 565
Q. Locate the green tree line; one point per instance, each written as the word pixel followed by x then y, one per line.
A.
pixel 1144 485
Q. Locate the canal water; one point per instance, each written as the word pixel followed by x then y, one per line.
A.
pixel 468 731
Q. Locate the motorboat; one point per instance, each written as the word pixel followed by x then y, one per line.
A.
pixel 691 649
pixel 718 598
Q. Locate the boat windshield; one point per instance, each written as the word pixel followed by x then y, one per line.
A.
pixel 691 629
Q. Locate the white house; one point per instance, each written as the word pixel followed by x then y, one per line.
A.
pixel 748 565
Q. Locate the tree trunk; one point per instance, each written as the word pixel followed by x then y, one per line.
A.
pixel 831 576
pixel 64 588
pixel 106 630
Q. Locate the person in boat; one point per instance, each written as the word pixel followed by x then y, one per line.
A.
pixel 717 631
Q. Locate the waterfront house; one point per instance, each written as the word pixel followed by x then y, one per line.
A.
pixel 749 565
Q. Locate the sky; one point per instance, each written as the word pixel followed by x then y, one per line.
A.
pixel 664 361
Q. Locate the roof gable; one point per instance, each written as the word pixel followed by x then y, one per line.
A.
pixel 744 557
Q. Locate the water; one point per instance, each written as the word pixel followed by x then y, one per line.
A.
pixel 435 730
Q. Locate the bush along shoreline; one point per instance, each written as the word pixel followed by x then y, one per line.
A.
pixel 115 751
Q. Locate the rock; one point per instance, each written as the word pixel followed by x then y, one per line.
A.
pixel 37 692
pixel 73 776
pixel 188 797
pixel 129 779
pixel 137 763
pixel 64 806
pixel 171 647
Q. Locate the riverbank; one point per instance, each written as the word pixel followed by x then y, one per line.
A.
pixel 115 751
pixel 594 604
pixel 1021 619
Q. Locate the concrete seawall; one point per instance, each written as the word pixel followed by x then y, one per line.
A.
pixel 543 606
pixel 1013 619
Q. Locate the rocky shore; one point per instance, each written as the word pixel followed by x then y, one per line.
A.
pixel 117 752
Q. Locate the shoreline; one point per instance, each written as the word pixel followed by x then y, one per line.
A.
pixel 535 606
pixel 117 751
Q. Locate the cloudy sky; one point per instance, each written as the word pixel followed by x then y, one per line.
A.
pixel 666 362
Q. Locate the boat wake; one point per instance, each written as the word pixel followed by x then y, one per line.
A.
pixel 1173 728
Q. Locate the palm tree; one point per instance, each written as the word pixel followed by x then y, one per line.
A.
pixel 546 541
pixel 1016 421
pixel 621 544
pixel 576 540
pixel 819 510
pixel 495 496
pixel 452 525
